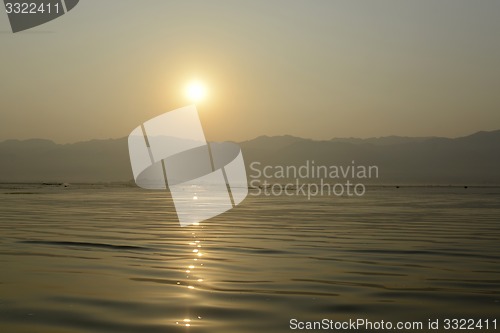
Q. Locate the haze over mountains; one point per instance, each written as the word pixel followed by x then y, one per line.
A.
pixel 469 160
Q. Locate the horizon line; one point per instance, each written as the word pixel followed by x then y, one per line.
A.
pixel 265 136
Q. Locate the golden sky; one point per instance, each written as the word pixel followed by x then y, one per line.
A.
pixel 317 69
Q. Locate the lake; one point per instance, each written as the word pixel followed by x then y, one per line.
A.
pixel 96 258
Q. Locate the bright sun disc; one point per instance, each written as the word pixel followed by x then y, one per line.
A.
pixel 196 91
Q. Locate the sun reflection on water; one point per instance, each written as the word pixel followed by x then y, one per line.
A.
pixel 192 277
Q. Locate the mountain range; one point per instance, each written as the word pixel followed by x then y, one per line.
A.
pixel 469 160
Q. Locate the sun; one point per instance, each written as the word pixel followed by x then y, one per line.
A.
pixel 196 91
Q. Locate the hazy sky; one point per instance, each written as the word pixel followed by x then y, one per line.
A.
pixel 310 68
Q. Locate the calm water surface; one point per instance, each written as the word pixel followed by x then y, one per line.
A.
pixel 103 259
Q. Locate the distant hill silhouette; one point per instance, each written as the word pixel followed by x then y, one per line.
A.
pixel 38 160
pixel 469 160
